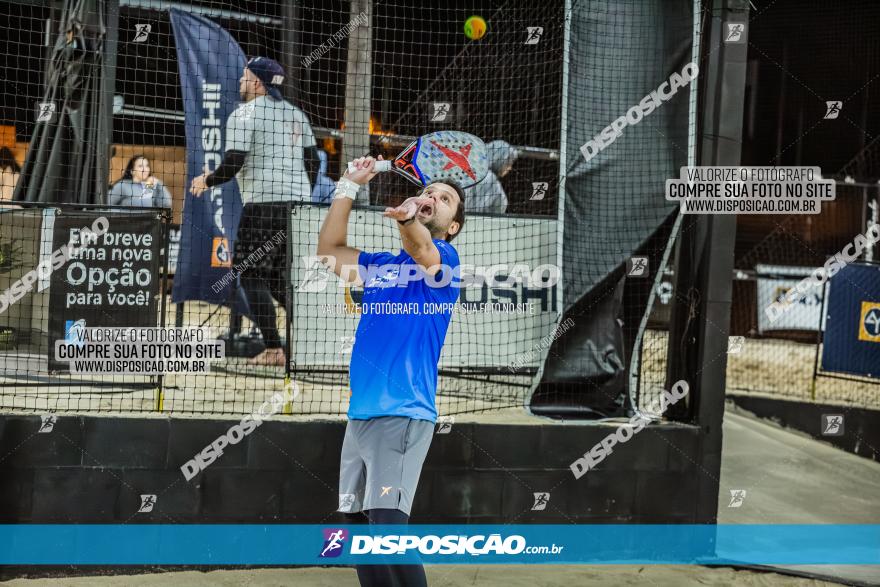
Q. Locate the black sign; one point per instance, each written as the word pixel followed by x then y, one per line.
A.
pixel 111 279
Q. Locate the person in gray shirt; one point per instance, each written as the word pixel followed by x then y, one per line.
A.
pixel 270 149
pixel 137 187
pixel 489 194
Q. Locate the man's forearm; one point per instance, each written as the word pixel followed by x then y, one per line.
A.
pixel 232 163
pixel 334 230
pixel 415 236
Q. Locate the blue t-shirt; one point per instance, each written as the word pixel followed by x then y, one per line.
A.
pixel 400 334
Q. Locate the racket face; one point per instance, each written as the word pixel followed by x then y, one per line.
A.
pixel 445 155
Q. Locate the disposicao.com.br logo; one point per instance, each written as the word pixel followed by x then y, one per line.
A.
pixel 451 544
pixel 334 541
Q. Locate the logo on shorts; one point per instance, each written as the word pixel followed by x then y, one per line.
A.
pixel 346 502
pixel 386 490
pixel 220 255
pixel 333 542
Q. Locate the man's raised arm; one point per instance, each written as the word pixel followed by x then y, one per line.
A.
pixel 415 236
pixel 332 240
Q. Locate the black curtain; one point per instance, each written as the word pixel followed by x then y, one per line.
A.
pixel 69 154
pixel 620 50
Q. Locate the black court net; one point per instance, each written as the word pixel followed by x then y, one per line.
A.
pixel 365 77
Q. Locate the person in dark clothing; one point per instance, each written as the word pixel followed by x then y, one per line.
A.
pixel 271 150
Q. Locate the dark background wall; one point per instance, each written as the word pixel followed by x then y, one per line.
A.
pixel 801 54
pixel 93 470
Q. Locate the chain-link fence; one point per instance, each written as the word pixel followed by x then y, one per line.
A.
pixel 777 343
pixel 358 79
pixel 56 279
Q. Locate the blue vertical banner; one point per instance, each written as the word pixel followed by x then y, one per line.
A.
pixel 852 325
pixel 210 63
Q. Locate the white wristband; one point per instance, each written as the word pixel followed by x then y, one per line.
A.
pixel 345 188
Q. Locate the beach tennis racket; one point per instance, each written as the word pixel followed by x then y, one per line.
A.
pixel 446 155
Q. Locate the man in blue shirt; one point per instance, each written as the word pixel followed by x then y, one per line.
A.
pixel 405 312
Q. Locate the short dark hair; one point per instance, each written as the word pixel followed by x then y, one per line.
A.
pixel 459 211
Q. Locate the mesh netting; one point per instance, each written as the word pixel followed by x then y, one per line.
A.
pixel 360 78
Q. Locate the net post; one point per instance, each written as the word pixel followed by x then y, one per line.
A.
pixel 163 286
pixel 288 303
pixel 822 310
pixel 705 255
pixel 108 89
pixel 287 409
pixel 562 171
pixel 358 84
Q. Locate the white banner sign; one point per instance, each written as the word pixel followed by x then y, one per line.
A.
pixel 497 325
pixel 774 281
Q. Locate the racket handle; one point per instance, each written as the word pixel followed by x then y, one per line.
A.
pixel 378 167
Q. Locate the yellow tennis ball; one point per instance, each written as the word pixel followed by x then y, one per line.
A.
pixel 475 28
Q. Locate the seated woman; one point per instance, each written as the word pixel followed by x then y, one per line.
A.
pixel 10 171
pixel 137 187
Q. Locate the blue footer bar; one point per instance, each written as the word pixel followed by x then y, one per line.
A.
pixel 282 544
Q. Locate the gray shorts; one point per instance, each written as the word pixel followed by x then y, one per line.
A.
pixel 381 463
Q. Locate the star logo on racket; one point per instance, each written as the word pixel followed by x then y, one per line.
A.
pixel 458 159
